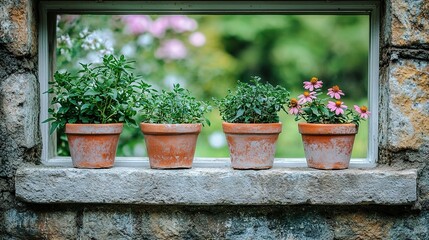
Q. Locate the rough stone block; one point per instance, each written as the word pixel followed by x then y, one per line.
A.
pixel 20 104
pixel 59 225
pixel 215 186
pixel 20 224
pixel 409 105
pixel 17 28
pixel 410 22
pixel 107 225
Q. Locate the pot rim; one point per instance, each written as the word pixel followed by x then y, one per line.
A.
pixel 160 128
pixel 93 128
pixel 252 128
pixel 321 129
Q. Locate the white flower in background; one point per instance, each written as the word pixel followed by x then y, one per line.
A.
pixel 92 42
pixel 84 33
pixel 100 39
pixel 171 49
pixel 217 139
pixel 93 57
pixel 129 50
pixel 197 39
pixel 65 41
pixel 107 51
pixel 145 40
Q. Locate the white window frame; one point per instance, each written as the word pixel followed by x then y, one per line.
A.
pixel 370 8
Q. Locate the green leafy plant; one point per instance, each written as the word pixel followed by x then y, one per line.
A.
pixel 253 103
pixel 107 93
pixel 312 108
pixel 174 107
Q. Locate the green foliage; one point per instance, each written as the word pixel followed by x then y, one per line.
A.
pixel 174 107
pixel 253 103
pixel 107 93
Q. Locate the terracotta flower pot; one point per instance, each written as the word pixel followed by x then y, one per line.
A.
pixel 170 146
pixel 93 145
pixel 328 146
pixel 252 146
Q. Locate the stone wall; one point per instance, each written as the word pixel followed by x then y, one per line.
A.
pixel 404 143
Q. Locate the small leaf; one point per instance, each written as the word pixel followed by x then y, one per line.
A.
pixel 54 126
pixel 91 92
pixel 48 120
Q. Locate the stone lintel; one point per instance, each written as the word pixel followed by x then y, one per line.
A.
pixel 216 186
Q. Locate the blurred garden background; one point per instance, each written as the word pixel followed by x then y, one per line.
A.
pixel 207 54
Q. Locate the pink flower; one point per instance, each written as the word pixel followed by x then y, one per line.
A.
pixel 306 97
pixel 180 23
pixel 336 107
pixel 363 111
pixel 172 49
pixel 294 107
pixel 159 27
pixel 314 83
pixel 335 92
pixel 197 39
pixel 137 24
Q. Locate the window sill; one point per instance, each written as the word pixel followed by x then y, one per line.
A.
pixel 211 185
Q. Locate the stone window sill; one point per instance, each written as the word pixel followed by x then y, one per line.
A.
pixel 212 185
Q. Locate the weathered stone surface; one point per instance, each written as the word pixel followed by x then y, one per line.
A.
pixel 19 122
pixel 17 28
pixel 19 104
pixel 57 225
pixel 209 186
pixel 107 225
pixel 410 23
pixel 411 227
pixel 20 224
pixel 5 185
pixel 409 105
pixel 361 225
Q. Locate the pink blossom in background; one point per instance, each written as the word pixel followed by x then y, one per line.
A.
pixel 337 107
pixel 181 23
pixel 137 24
pixel 159 27
pixel 197 39
pixel 172 49
pixel 306 97
pixel 363 111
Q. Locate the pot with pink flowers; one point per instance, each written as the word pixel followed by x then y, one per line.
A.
pixel 329 127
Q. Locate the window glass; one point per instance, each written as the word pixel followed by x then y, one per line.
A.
pixel 208 54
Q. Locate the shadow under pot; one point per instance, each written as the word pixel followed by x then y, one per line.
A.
pixel 252 145
pixel 328 146
pixel 170 146
pixel 93 145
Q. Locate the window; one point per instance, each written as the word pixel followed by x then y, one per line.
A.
pixel 251 10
